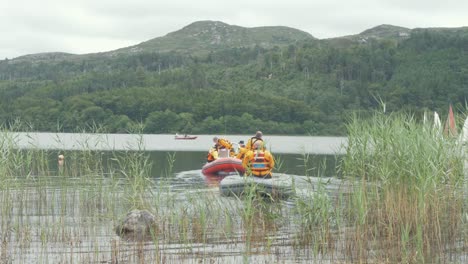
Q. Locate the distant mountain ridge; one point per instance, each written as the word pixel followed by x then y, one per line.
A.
pixel 213 35
pixel 386 31
pixel 379 32
pixel 49 55
pixel 206 36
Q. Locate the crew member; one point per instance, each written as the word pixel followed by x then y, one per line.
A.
pixel 224 145
pixel 242 150
pixel 258 162
pixel 212 154
pixel 257 138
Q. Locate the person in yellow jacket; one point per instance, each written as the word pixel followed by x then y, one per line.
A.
pixel 212 154
pixel 257 138
pixel 258 162
pixel 242 150
pixel 222 143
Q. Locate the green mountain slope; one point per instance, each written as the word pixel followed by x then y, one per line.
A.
pixel 206 36
pixel 217 78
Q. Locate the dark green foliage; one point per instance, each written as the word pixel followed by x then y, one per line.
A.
pixel 306 86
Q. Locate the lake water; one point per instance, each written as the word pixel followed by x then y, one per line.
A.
pixel 69 217
pixel 164 142
pixel 294 153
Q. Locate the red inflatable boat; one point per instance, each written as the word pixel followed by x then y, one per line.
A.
pixel 223 166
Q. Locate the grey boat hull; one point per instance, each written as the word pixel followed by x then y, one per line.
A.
pixel 279 186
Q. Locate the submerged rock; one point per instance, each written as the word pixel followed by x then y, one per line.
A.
pixel 137 225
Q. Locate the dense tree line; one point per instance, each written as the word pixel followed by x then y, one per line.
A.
pixel 308 87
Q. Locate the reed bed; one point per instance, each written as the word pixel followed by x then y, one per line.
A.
pixel 407 200
pixel 397 198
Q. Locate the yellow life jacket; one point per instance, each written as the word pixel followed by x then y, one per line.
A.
pixel 224 143
pixel 241 153
pixel 258 165
pixel 211 154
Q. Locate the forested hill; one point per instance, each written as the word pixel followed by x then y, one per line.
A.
pixel 211 77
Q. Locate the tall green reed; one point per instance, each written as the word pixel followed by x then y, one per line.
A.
pixel 405 194
pixel 135 167
pixel 316 216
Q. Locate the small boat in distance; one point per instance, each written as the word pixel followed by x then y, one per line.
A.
pixel 177 136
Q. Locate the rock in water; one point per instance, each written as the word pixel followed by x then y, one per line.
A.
pixel 137 225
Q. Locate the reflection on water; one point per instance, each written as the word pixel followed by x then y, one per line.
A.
pixel 55 219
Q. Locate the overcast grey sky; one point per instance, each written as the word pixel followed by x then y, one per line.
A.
pixel 87 26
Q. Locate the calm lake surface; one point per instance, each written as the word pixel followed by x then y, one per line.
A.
pixel 294 153
pixel 164 142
